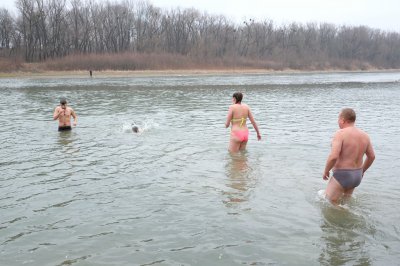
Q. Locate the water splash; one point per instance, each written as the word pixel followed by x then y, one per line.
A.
pixel 143 126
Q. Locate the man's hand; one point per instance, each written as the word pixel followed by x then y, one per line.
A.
pixel 325 176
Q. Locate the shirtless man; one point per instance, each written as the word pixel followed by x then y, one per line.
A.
pixel 63 113
pixel 237 116
pixel 349 145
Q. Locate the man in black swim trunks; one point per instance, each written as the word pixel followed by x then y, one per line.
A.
pixel 349 145
pixel 63 113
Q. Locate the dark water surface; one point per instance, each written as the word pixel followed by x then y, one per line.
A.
pixel 173 195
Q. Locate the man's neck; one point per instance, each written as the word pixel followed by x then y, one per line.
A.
pixel 346 125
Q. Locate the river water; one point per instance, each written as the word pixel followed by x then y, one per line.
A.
pixel 173 195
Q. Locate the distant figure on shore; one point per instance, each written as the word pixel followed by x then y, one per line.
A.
pixel 90 73
pixel 237 116
pixel 63 113
pixel 349 145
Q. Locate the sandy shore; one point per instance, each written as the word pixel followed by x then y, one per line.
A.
pixel 145 73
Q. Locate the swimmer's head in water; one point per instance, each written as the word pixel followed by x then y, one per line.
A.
pixel 135 129
pixel 238 96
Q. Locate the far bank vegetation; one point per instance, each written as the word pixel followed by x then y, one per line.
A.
pixel 135 35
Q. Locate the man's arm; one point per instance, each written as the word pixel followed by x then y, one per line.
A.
pixel 56 113
pixel 73 114
pixel 253 122
pixel 334 155
pixel 370 157
pixel 229 117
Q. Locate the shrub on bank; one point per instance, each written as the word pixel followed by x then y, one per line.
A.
pixel 10 64
pixel 156 61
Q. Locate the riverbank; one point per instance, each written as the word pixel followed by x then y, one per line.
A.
pixel 136 64
pixel 172 72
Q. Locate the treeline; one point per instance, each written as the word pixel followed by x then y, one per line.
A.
pixel 47 30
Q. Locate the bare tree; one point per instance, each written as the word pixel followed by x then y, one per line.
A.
pixel 55 28
pixel 7 29
pixel 58 41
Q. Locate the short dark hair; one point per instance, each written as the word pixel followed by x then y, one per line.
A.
pixel 63 101
pixel 238 96
pixel 348 115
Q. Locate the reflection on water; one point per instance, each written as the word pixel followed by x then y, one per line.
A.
pixel 66 141
pixel 240 177
pixel 344 236
pixel 65 138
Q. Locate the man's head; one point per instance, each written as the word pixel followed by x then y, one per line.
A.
pixel 135 129
pixel 347 116
pixel 238 96
pixel 63 102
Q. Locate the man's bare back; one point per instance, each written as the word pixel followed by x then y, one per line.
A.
pixel 354 144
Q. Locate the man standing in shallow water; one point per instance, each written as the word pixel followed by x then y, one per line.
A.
pixel 349 145
pixel 63 113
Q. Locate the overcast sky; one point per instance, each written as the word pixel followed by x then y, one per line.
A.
pixel 382 14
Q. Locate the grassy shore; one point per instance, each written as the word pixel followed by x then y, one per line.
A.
pixel 135 64
pixel 129 73
pixel 171 72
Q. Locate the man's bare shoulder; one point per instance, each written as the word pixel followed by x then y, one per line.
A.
pixel 359 131
pixel 363 134
pixel 338 133
pixel 353 133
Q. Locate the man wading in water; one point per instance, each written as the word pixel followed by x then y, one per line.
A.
pixel 63 113
pixel 349 145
